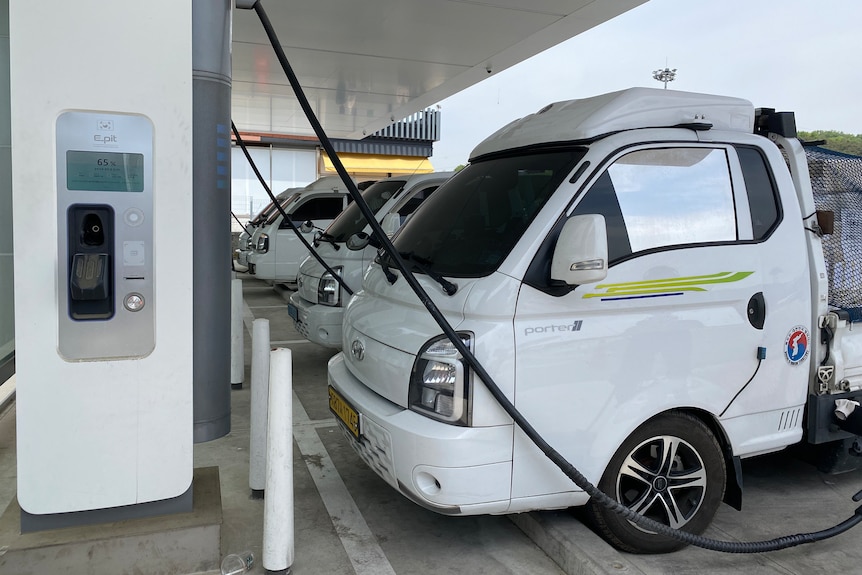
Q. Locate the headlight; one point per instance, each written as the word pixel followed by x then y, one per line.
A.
pixel 249 244
pixel 263 243
pixel 439 383
pixel 328 290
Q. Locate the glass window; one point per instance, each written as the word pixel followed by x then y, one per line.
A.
pixel 762 197
pixel 663 197
pixel 274 212
pixel 472 222
pixel 280 168
pixel 674 196
pixel 292 168
pixel 414 202
pixel 602 199
pixel 351 220
pixel 318 209
pixel 247 194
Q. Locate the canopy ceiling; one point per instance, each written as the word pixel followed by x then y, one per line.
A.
pixel 366 63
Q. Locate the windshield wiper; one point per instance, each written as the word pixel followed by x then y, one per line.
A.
pixel 328 238
pixel 422 264
pixel 381 259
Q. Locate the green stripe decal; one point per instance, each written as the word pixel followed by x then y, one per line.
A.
pixel 667 285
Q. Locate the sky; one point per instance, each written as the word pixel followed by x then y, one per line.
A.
pixel 803 56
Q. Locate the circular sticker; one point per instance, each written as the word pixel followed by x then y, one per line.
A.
pixel 796 345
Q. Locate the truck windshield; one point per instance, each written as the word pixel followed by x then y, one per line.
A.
pixel 275 213
pixel 351 220
pixel 263 214
pixel 472 222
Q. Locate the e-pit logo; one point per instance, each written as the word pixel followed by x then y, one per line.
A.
pixel 105 139
pixel 554 328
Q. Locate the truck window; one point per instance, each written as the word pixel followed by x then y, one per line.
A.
pixel 276 213
pixel 472 222
pixel 351 220
pixel 664 197
pixel 317 209
pixel 762 197
pixel 414 202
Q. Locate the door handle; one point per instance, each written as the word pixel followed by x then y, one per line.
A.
pixel 756 310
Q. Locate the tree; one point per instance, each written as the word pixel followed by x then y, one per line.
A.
pixel 838 141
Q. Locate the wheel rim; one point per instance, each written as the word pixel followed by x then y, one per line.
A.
pixel 663 478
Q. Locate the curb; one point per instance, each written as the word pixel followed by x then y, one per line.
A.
pixel 576 549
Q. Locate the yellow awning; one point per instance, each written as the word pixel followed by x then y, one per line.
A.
pixel 378 166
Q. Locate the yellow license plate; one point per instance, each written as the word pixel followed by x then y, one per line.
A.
pixel 343 411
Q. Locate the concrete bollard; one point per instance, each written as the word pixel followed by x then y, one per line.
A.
pixel 237 342
pixel 259 399
pixel 278 532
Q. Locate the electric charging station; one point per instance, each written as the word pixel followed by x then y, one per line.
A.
pixel 105 236
pixel 102 193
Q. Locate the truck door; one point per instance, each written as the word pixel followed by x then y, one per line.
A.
pixel 698 249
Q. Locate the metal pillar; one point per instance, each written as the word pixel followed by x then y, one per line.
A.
pixel 211 85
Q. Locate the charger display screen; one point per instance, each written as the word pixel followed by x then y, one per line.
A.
pixel 104 171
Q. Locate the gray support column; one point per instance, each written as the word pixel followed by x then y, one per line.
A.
pixel 7 303
pixel 211 85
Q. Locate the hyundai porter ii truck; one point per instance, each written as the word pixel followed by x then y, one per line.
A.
pixel 643 275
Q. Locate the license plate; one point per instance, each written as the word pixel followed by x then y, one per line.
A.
pixel 344 412
pixel 293 312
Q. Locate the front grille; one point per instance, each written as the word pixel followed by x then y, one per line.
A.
pixel 375 449
pixel 302 328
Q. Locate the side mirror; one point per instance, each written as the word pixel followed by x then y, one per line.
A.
pixel 306 226
pixel 391 223
pixel 358 241
pixel 581 253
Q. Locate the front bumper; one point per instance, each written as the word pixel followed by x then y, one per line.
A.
pixel 317 323
pixel 262 265
pixel 242 257
pixel 448 469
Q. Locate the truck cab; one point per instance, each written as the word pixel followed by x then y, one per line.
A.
pixel 642 275
pixel 277 249
pixel 244 243
pixel 317 307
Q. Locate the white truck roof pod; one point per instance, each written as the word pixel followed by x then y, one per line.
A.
pixel 332 183
pixel 588 118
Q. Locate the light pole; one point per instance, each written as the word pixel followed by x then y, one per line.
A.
pixel 666 75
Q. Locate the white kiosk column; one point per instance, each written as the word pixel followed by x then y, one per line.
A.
pixel 101 104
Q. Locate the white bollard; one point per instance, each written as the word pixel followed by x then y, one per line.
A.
pixel 259 397
pixel 237 343
pixel 278 504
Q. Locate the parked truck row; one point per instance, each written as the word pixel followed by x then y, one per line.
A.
pixel 649 276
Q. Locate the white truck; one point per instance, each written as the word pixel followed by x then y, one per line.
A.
pixel 317 305
pixel 642 274
pixel 277 251
pixel 244 243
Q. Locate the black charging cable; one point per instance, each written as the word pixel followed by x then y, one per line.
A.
pixel 576 476
pixel 236 219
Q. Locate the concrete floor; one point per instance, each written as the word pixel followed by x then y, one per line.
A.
pixel 347 520
pixel 350 521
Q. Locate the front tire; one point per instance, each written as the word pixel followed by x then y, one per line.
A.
pixel 671 469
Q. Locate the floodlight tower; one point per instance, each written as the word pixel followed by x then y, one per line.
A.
pixel 665 75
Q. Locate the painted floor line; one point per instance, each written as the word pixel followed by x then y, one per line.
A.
pixel 359 542
pixel 289 342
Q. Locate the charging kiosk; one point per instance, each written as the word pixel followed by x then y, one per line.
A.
pixel 102 195
pixel 105 235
